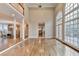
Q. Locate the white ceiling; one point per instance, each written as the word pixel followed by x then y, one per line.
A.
pixel 36 5
pixel 8 10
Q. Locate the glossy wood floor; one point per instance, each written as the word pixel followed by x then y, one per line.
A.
pixel 40 47
pixel 7 42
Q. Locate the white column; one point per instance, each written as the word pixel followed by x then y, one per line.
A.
pixel 22 35
pixel 20 31
pixel 14 31
pixel 23 30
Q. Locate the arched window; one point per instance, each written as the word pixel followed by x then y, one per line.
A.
pixel 59 25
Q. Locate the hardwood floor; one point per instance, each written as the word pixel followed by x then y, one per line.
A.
pixel 40 47
pixel 7 42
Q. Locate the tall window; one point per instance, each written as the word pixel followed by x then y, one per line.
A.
pixel 72 24
pixel 3 27
pixel 59 25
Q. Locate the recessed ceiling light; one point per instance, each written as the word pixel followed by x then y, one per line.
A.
pixel 40 6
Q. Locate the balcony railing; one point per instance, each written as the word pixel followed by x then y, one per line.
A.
pixel 18 6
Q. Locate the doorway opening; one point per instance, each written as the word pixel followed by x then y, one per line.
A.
pixel 41 30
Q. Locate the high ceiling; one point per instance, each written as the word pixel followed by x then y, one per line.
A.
pixel 37 5
pixel 7 9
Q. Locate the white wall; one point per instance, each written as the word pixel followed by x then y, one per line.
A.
pixel 38 15
pixel 26 13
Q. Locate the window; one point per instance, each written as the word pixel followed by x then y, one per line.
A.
pixel 72 24
pixel 59 25
pixel 3 28
pixel 0 27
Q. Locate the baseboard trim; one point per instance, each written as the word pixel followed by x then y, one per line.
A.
pixel 70 46
pixel 40 38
